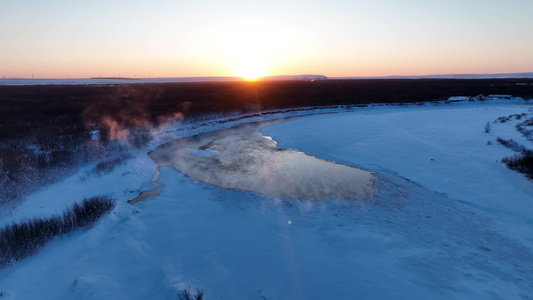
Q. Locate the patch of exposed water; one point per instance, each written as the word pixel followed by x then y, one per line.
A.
pixel 145 195
pixel 242 158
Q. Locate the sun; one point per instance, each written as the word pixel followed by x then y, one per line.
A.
pixel 251 70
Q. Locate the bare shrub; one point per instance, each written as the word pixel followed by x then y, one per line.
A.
pixel 511 144
pixel 90 210
pixel 187 295
pixel 20 240
pixel 487 127
pixel 523 129
pixel 522 163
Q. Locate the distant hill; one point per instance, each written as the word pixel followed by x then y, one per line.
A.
pixel 450 76
pixel 306 77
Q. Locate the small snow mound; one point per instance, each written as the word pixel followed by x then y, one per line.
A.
pixel 270 139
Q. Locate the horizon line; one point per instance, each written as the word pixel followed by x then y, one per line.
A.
pixel 238 78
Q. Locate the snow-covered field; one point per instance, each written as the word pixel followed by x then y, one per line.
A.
pixel 448 221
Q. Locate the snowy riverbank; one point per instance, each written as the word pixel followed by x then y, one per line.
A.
pixel 448 221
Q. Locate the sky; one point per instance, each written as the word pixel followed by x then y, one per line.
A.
pixel 336 38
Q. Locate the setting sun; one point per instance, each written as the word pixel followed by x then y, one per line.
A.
pixel 251 70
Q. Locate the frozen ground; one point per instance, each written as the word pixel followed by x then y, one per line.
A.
pixel 448 220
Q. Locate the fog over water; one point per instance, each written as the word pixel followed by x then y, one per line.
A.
pixel 242 158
